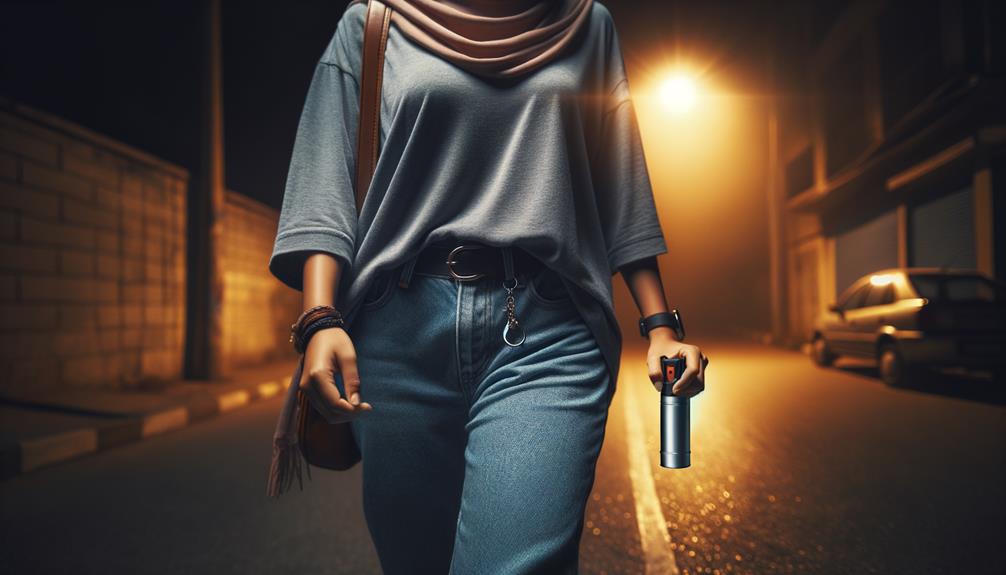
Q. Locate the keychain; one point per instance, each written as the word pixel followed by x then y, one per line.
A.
pixel 512 330
pixel 513 327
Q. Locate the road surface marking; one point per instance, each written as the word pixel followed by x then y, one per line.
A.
pixel 269 389
pixel 653 536
pixel 164 421
pixel 232 400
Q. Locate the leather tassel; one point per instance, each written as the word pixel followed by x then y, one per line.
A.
pixel 286 465
pixel 287 459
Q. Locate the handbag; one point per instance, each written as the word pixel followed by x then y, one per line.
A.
pixel 324 444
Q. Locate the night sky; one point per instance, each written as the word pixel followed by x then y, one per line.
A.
pixel 130 70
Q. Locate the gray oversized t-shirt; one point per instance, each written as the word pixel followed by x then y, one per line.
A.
pixel 551 162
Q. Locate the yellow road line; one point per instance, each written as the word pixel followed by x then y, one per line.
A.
pixel 164 421
pixel 269 388
pixel 233 400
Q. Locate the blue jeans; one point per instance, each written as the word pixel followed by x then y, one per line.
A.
pixel 478 457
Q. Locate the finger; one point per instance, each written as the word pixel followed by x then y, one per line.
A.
pixel 691 370
pixel 692 390
pixel 323 384
pixel 685 381
pixel 702 368
pixel 345 360
pixel 656 376
pixel 318 403
pixel 308 388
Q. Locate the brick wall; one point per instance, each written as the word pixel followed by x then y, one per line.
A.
pixel 92 248
pixel 257 308
pixel 92 263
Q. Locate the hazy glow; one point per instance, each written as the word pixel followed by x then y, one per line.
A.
pixel 881 279
pixel 704 134
pixel 678 93
pixel 698 139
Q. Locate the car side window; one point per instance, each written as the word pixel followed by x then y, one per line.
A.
pixel 879 295
pixel 856 299
pixel 890 295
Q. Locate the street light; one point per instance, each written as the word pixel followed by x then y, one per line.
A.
pixel 678 93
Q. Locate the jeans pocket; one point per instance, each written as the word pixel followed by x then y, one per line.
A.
pixel 380 292
pixel 547 289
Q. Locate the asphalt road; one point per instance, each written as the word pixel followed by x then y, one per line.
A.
pixel 795 470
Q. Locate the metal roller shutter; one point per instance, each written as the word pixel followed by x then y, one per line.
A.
pixel 865 249
pixel 943 231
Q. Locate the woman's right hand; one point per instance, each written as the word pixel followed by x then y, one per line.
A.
pixel 330 349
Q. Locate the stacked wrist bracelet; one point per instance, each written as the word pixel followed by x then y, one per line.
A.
pixel 317 318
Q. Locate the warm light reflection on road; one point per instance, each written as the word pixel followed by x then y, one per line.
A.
pixel 788 459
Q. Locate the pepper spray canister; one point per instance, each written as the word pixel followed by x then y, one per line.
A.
pixel 675 424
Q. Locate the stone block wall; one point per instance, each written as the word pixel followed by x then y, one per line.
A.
pixel 257 308
pixel 92 263
pixel 92 257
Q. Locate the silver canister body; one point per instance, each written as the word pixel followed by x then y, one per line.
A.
pixel 675 442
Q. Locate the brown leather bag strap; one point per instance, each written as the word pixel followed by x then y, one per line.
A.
pixel 375 36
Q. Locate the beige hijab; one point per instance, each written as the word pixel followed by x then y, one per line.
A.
pixel 494 38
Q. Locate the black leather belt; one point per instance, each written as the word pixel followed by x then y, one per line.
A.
pixel 468 260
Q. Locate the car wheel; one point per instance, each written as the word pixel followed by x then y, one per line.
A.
pixel 892 366
pixel 821 353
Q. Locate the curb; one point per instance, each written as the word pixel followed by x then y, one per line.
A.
pixel 19 456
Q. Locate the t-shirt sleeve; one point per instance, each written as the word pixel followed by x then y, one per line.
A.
pixel 319 202
pixel 624 195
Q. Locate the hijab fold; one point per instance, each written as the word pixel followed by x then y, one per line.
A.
pixel 492 38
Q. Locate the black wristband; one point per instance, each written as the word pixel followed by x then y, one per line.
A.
pixel 671 319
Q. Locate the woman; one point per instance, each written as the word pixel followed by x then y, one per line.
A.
pixel 478 388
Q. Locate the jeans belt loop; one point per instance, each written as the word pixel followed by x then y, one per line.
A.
pixel 507 264
pixel 406 277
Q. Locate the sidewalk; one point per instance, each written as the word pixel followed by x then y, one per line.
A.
pixel 42 429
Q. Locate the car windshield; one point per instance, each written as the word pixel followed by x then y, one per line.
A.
pixel 957 288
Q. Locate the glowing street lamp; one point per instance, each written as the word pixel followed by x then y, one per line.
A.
pixel 678 93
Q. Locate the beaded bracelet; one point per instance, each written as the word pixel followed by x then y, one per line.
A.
pixel 305 326
pixel 322 323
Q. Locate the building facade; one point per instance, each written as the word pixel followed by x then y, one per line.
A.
pixel 889 147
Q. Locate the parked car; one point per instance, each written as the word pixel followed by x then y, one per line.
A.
pixel 913 318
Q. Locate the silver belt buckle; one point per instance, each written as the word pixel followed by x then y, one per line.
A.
pixel 451 261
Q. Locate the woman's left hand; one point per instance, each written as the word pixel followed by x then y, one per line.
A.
pixel 693 380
